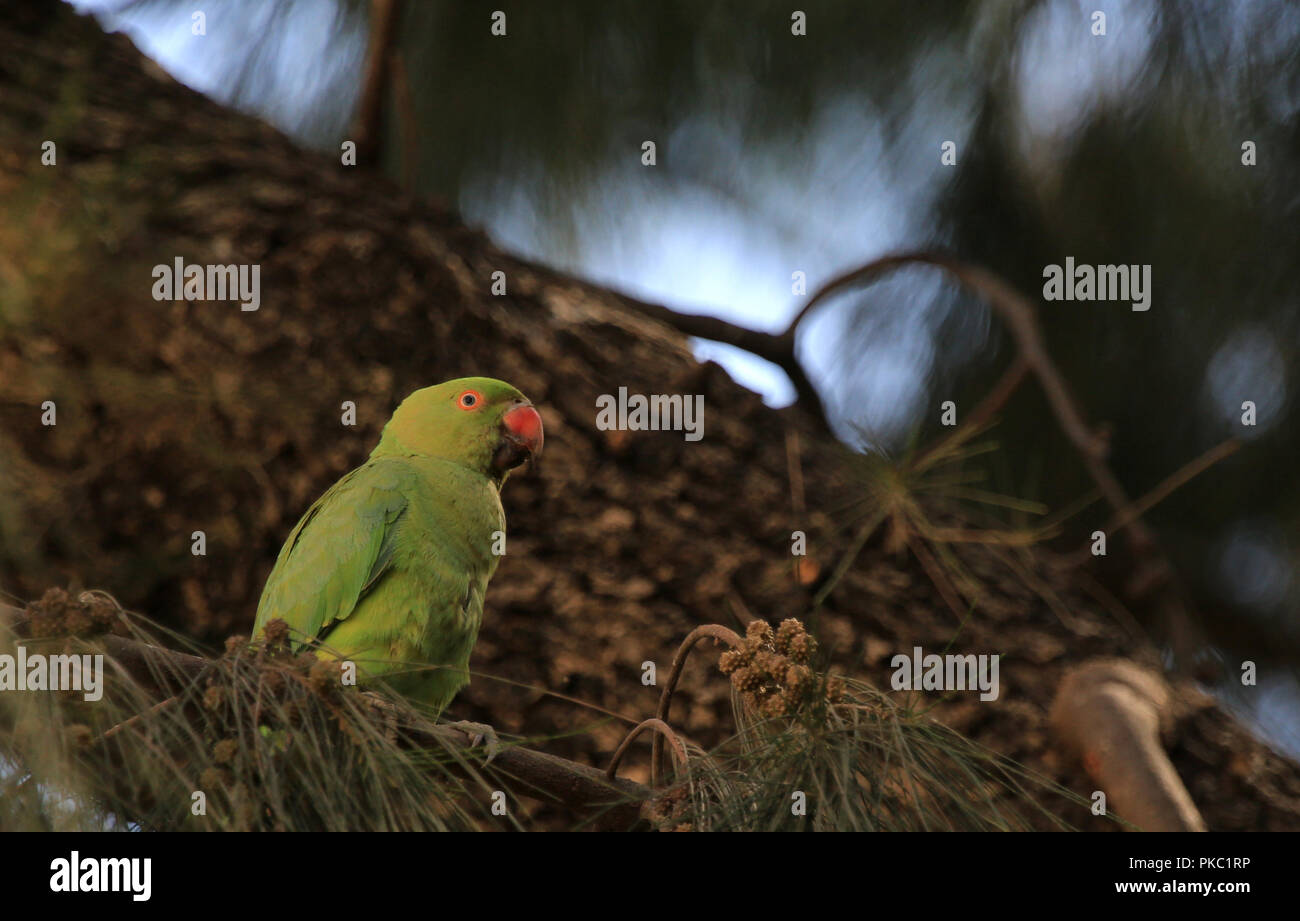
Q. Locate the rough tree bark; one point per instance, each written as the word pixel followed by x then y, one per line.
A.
pixel 183 416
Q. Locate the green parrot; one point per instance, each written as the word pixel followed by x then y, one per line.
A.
pixel 389 567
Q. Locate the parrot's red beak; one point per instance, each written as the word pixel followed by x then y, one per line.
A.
pixel 521 440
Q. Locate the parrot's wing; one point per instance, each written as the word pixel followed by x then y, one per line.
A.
pixel 338 552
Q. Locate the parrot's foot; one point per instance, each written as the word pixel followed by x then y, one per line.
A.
pixel 480 734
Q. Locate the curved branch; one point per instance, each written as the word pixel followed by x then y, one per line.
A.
pixel 1021 319
pixel 778 349
pixel 1109 712
pixel 717 632
pixel 1014 310
pixel 662 730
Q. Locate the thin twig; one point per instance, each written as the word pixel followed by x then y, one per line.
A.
pixel 1127 516
pixel 979 417
pixel 865 530
pixel 794 469
pixel 117 728
pixel 931 566
pixel 717 632
pixel 662 730
pixel 1182 475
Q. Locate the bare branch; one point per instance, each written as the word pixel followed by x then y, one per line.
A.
pixel 1109 712
pixel 659 726
pixel 369 124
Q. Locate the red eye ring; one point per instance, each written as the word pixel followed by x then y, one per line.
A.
pixel 469 400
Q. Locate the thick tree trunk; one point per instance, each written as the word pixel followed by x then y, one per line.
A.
pixel 182 416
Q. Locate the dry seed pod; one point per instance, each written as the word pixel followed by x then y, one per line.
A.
pixel 77 621
pixel 802 648
pixel 770 665
pixel 224 751
pixel 78 735
pixel 324 676
pixel 101 610
pixel 789 629
pixel 214 697
pixel 276 632
pixel 793 698
pixel 746 680
pixel 214 778
pixel 798 677
pixel 273 680
pixel 834 689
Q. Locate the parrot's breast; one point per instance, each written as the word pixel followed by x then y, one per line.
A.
pixel 417 626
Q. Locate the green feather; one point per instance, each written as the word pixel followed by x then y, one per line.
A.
pixel 390 567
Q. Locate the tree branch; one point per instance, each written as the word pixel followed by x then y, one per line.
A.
pixel 369 124
pixel 1109 712
pixel 717 632
pixel 165 672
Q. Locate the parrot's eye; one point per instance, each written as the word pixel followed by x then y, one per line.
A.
pixel 469 399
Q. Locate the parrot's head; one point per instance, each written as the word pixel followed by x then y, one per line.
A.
pixel 478 422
